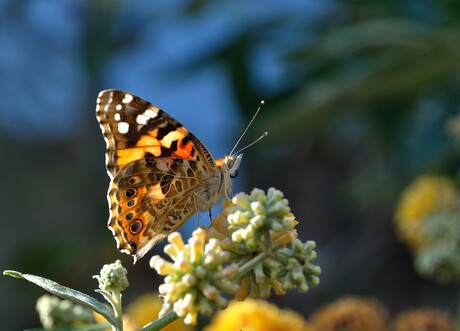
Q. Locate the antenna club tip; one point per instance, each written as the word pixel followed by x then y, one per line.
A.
pixel 265 134
pixel 262 102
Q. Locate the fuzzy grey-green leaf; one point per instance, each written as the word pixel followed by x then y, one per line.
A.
pixel 66 293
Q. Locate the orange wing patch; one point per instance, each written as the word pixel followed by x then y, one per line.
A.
pixel 186 151
pixel 171 146
pixel 149 140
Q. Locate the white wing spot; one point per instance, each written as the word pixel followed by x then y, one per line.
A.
pixel 117 117
pixel 142 119
pixel 127 98
pixel 118 107
pixel 150 113
pixel 123 127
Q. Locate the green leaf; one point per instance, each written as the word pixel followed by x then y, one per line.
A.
pixel 66 293
pixel 160 323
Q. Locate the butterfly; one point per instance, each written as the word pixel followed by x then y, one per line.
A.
pixel 160 173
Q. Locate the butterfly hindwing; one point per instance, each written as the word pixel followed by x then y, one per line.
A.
pixel 149 199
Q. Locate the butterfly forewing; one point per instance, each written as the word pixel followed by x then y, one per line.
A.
pixel 134 128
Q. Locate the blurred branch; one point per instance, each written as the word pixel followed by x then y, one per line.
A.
pixel 402 76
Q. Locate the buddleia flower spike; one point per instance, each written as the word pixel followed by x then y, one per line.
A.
pixel 256 230
pixel 195 279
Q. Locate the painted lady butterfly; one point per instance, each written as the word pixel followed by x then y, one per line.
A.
pixel 160 173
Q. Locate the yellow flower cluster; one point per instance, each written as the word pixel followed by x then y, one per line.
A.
pixel 245 244
pixel 351 314
pixel 196 278
pixel 144 310
pixel 259 226
pixel 257 315
pixel 424 196
pixel 424 319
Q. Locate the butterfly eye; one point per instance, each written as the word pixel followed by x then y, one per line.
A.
pixel 129 193
pixel 234 174
pixel 135 226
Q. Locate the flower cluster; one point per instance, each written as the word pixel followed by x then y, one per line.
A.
pixel 421 198
pixel 251 238
pixel 351 314
pixel 56 313
pixel 424 319
pixel 142 311
pixel 257 315
pixel 253 216
pixel 196 278
pixel 428 221
pixel 113 277
pixel 439 258
pixel 257 227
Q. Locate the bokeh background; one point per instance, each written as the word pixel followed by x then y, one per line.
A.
pixel 357 95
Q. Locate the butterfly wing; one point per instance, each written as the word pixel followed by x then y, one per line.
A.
pixel 134 128
pixel 155 165
pixel 149 199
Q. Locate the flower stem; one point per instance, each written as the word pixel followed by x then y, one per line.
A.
pixel 117 309
pixel 267 239
pixel 248 266
pixel 160 323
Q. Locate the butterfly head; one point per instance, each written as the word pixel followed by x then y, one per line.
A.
pixel 232 163
pixel 229 168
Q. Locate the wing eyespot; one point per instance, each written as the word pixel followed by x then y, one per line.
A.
pixel 130 193
pixel 234 175
pixel 136 226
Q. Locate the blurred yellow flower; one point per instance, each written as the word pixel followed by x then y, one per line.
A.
pixel 141 312
pixel 128 323
pixel 257 315
pixel 351 314
pixel 424 319
pixel 145 309
pixel 423 196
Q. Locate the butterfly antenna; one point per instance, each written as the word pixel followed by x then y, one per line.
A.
pixel 244 132
pixel 260 138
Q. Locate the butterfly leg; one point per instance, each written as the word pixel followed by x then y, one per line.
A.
pixel 196 210
pixel 196 195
